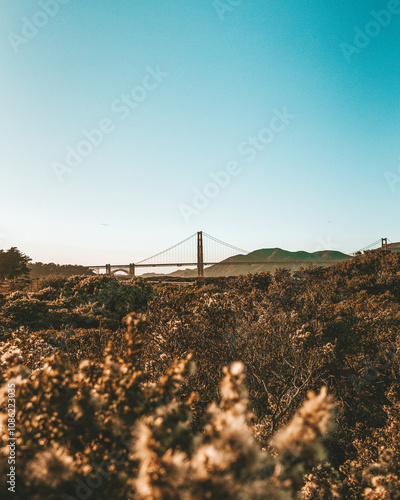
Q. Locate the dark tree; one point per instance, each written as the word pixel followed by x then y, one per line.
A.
pixel 13 264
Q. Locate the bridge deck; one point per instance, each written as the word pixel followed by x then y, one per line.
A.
pixel 235 263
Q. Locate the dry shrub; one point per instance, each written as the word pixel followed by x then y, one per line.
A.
pixel 95 406
pixel 70 420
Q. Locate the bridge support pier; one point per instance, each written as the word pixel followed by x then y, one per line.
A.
pixel 131 269
pixel 200 258
pixel 108 269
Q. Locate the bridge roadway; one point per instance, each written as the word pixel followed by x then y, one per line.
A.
pixel 131 267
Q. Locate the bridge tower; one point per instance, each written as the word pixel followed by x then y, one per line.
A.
pixel 108 268
pixel 131 269
pixel 384 244
pixel 200 255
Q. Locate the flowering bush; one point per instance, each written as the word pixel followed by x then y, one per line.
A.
pixel 103 412
pixel 105 424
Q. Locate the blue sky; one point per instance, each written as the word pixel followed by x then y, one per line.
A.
pixel 203 78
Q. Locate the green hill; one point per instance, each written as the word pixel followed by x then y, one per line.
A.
pixel 268 259
pixel 394 247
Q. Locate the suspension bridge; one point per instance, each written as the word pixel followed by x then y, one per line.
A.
pixel 383 242
pixel 199 250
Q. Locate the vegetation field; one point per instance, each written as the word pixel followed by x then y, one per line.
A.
pixel 262 386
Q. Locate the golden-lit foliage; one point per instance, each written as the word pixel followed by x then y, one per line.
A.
pixel 119 404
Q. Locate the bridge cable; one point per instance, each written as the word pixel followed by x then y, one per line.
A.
pixel 168 249
pixel 225 244
pixel 368 247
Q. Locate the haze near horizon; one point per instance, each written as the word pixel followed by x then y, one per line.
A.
pixel 127 127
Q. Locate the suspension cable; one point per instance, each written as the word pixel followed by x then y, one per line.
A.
pixel 167 250
pixel 225 244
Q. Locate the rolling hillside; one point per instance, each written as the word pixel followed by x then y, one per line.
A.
pixel 394 247
pixel 267 259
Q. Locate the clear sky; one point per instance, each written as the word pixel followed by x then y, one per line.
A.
pixel 116 116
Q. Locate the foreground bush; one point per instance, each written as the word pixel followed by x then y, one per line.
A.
pixel 103 430
pixel 293 334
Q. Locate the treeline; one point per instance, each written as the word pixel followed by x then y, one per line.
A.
pixel 40 270
pixel 16 265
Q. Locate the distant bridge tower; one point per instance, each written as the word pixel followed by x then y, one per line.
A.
pixel 200 255
pixel 384 244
